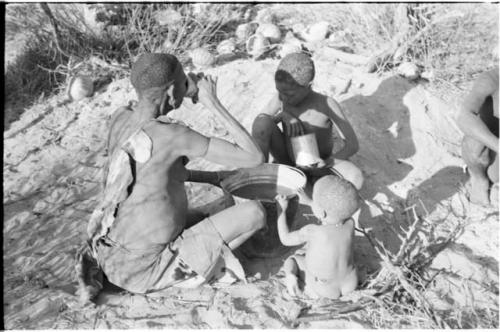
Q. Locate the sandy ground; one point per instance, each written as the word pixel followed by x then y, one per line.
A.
pixel 53 158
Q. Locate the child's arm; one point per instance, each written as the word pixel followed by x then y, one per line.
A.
pixel 351 145
pixel 288 238
pixel 304 198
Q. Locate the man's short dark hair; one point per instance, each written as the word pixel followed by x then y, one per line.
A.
pixel 153 70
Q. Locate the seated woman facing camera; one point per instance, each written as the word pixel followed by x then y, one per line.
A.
pixel 304 111
pixel 141 236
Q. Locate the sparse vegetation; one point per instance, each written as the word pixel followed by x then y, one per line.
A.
pixel 453 41
pixel 113 33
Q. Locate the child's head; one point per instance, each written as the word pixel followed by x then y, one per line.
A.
pixel 334 199
pixel 293 77
pixel 155 74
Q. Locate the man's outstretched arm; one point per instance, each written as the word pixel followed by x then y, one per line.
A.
pixel 247 150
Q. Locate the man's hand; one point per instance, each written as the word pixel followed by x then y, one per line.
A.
pixel 192 90
pixel 207 90
pixel 292 125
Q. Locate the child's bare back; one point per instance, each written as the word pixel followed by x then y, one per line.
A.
pixel 327 266
pixel 328 263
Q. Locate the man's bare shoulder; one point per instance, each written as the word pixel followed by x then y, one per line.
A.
pixel 162 129
pixel 119 117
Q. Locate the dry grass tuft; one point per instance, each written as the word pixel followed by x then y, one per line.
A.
pixel 68 34
pixel 395 295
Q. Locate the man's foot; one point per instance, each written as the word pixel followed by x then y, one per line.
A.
pixel 478 192
pixel 292 285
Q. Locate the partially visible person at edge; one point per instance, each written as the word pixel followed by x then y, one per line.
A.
pixel 478 120
pixel 301 110
pixel 142 236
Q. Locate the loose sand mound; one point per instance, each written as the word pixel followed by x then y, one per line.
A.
pixel 53 158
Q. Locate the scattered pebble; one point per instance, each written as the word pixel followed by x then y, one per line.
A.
pixel 226 46
pixel 257 45
pixel 316 32
pixel 168 17
pixel 408 70
pixel 202 58
pixel 80 87
pixel 244 31
pixel 270 31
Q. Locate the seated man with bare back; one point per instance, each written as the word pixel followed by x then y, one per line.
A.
pixel 478 119
pixel 140 235
pixel 305 111
pixel 327 268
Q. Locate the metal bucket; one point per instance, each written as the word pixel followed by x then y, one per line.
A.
pixel 305 149
pixel 263 183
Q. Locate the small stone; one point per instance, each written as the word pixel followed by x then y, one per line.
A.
pixel 202 58
pixel 257 45
pixel 168 17
pixel 408 70
pixel 289 48
pixel 270 31
pixel 81 86
pixel 244 31
pixel 226 46
pixel 316 32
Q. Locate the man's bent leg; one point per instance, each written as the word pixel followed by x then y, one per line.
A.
pixel 237 223
pixel 476 157
pixel 194 216
pixel 270 139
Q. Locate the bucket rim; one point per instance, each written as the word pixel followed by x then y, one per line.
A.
pixel 243 177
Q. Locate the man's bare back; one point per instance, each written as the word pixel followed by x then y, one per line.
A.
pixel 139 234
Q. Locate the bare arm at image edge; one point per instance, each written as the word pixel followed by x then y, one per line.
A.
pixel 468 120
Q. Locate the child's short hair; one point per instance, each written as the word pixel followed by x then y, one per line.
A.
pixel 336 196
pixel 153 70
pixel 295 68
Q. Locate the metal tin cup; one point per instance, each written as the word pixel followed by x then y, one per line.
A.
pixel 305 150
